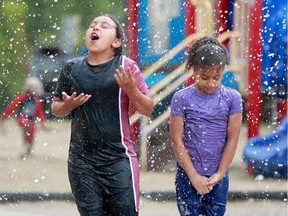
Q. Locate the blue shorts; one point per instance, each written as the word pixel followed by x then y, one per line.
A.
pixel 191 203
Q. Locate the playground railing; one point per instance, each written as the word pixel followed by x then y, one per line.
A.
pixel 171 82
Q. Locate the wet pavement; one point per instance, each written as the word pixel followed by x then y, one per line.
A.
pixel 148 208
pixel 45 173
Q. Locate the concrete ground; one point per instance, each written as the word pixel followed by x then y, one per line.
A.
pixel 148 208
pixel 45 172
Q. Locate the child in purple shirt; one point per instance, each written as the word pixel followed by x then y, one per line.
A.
pixel 205 124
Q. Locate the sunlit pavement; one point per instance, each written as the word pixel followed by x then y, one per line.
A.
pixel 45 173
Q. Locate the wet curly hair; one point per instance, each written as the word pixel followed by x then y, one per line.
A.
pixel 206 52
pixel 119 34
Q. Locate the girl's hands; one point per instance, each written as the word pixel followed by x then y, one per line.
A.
pixel 201 184
pixel 74 101
pixel 214 179
pixel 62 108
pixel 126 80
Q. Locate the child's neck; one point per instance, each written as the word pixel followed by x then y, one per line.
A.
pixel 203 92
pixel 96 58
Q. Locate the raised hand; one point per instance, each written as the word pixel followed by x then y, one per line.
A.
pixel 126 80
pixel 74 101
pixel 62 108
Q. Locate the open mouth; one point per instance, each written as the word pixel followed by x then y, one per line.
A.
pixel 94 37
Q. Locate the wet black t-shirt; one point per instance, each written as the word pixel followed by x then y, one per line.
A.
pixel 95 125
pixel 101 151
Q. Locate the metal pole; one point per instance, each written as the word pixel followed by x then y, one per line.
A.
pixel 254 97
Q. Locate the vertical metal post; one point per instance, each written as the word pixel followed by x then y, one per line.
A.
pixel 132 36
pixel 204 16
pixel 132 30
pixel 144 144
pixel 254 67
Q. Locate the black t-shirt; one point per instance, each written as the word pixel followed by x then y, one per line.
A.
pixel 96 124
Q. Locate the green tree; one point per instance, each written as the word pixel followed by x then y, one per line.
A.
pixel 13 50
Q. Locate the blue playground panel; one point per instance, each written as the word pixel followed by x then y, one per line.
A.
pixel 267 155
pixel 229 80
pixel 159 32
pixel 274 49
pixel 155 78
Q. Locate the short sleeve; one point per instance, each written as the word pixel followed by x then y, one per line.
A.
pixel 177 105
pixel 236 103
pixel 63 83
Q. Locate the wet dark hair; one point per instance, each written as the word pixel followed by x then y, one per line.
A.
pixel 206 52
pixel 119 34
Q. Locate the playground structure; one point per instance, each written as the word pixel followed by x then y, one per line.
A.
pixel 265 159
pixel 244 36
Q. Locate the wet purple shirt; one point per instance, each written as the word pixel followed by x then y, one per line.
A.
pixel 206 123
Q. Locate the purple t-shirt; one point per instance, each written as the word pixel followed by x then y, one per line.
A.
pixel 206 123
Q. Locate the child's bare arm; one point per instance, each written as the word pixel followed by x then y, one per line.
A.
pixel 177 131
pixel 234 127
